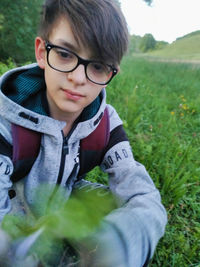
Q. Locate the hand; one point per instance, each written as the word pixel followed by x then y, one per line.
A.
pixel 4 247
pixel 103 249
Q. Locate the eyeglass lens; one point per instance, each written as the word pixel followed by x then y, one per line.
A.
pixel 65 61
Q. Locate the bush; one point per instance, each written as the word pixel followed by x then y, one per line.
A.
pixel 147 43
pixel 18 27
pixel 9 64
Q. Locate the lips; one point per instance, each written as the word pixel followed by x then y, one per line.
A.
pixel 72 95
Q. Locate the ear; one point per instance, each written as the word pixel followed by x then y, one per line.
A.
pixel 40 52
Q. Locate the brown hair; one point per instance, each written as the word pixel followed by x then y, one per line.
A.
pixel 97 24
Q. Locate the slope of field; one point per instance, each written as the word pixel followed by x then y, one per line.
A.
pixel 185 48
pixel 159 104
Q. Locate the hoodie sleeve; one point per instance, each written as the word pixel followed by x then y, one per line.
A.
pixel 139 222
pixel 6 169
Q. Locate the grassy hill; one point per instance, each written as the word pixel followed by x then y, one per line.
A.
pixel 184 48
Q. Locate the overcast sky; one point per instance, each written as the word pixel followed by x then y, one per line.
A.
pixel 165 19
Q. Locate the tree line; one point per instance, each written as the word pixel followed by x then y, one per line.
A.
pixel 18 28
pixel 145 44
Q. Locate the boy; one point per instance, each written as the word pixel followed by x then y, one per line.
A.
pixel 78 51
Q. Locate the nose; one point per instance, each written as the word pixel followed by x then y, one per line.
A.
pixel 78 75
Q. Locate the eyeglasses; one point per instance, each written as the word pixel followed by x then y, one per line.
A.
pixel 64 60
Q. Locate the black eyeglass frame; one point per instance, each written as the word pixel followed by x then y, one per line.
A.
pixel 82 61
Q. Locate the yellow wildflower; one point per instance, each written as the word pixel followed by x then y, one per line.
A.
pixel 183 98
pixel 185 107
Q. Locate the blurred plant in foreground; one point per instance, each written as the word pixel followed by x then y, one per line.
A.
pixel 56 235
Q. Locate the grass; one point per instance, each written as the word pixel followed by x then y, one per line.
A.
pixel 159 104
pixel 160 107
pixel 184 49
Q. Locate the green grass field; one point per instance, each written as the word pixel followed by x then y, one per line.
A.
pixel 160 107
pixel 186 48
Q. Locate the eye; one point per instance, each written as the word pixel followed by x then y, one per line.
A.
pixel 64 54
pixel 98 67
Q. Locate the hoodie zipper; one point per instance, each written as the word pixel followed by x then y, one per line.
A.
pixel 65 151
pixel 75 170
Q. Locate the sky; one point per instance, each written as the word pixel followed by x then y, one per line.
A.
pixel 165 19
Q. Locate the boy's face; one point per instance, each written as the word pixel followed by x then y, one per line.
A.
pixel 67 93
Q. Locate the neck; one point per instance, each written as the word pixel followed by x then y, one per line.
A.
pixel 68 118
pixel 67 129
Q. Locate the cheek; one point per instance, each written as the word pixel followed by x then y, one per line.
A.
pixel 48 81
pixel 51 78
pixel 94 91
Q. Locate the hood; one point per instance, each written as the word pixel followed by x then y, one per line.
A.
pixel 23 101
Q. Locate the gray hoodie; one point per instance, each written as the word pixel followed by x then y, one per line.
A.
pixel 133 229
